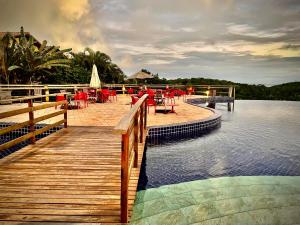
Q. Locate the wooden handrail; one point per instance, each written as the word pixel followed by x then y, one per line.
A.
pixel 132 127
pixel 29 109
pixel 32 121
pixel 30 97
pixel 125 122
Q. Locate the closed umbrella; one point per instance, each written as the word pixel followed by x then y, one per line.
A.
pixel 95 81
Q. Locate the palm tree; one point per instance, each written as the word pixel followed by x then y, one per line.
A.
pixel 108 71
pixel 25 58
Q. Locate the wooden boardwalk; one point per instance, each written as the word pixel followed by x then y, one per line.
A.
pixel 71 176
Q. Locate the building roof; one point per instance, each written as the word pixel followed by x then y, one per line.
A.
pixel 18 34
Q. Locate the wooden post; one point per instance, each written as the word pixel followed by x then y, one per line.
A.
pixel 142 124
pixel 230 89
pixel 31 121
pixel 233 98
pixel 66 112
pixel 145 116
pixel 136 140
pixel 46 92
pixel 124 178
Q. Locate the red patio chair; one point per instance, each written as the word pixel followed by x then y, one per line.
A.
pixel 113 94
pixel 134 99
pixel 150 93
pixel 170 97
pixel 59 98
pixel 104 95
pixel 183 94
pixel 92 96
pixel 191 91
pixel 151 102
pixel 140 94
pixel 81 97
pixel 130 91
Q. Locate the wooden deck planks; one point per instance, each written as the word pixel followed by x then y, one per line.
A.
pixel 71 176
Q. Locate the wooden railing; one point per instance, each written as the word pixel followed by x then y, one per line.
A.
pixel 132 127
pixel 30 109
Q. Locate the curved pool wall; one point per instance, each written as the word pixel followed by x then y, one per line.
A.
pixel 20 132
pixel 196 128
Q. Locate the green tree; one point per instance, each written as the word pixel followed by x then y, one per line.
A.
pixel 27 63
pixel 108 71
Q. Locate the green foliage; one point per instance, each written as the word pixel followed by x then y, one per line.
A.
pixel 27 63
pixel 107 70
pixel 288 91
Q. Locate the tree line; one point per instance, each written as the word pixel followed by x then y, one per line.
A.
pixel 28 61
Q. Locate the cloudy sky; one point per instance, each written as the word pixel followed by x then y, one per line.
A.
pixel 249 41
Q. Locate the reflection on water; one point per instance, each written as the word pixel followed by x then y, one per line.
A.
pixel 259 138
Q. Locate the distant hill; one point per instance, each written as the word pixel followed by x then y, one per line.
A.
pixel 287 91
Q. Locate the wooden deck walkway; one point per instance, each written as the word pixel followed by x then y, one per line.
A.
pixel 60 179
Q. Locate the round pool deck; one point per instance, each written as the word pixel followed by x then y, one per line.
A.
pixel 110 113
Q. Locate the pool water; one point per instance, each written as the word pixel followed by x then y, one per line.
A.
pixel 258 138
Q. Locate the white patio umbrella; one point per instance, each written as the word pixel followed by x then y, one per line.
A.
pixel 95 81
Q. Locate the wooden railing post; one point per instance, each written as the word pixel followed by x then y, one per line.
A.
pixel 145 116
pixel 66 112
pixel 47 92
pixel 124 178
pixel 142 123
pixel 130 126
pixel 136 140
pixel 31 121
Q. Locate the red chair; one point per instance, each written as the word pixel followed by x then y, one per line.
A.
pixel 183 94
pixel 170 97
pixel 92 96
pixel 140 94
pixel 151 93
pixel 134 99
pixel 104 95
pixel 151 102
pixel 81 97
pixel 113 94
pixel 59 98
pixel 191 91
pixel 85 98
pixel 130 91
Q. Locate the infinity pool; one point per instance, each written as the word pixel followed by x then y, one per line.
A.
pixel 258 138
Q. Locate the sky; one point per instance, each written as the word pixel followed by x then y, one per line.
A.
pixel 246 41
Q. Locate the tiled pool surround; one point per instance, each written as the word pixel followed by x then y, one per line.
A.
pixel 225 200
pixel 189 129
pixel 20 132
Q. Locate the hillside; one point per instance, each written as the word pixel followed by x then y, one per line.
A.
pixel 287 91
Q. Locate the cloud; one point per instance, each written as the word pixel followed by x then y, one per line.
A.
pixel 159 61
pixel 126 61
pixel 294 47
pixel 255 41
pixel 74 9
pixel 246 30
pixel 67 23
